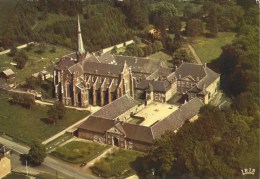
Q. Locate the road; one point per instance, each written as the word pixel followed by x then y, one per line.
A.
pixel 49 161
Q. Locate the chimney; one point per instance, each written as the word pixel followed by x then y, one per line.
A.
pixel 205 65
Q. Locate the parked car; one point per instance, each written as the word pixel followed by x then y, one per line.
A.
pixel 83 164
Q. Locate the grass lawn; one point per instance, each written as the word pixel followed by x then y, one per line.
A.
pixel 56 142
pixel 210 48
pixel 25 125
pixel 36 62
pixel 16 176
pixel 117 164
pixel 78 152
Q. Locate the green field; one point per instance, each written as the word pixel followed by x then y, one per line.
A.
pixel 78 152
pixel 209 49
pixel 161 56
pixel 117 164
pixel 36 62
pixel 26 125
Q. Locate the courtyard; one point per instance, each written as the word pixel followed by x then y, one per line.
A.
pixel 155 112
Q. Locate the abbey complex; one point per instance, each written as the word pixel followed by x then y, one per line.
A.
pixel 133 93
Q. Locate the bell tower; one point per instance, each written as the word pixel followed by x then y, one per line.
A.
pixel 81 54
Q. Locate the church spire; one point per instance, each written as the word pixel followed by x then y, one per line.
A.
pixel 81 50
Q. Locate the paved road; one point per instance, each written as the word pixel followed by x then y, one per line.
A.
pixel 49 161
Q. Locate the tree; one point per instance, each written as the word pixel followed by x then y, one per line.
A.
pixel 158 44
pixel 25 100
pixel 212 22
pixel 37 153
pixel 114 50
pixel 56 111
pixel 13 51
pixel 33 82
pixel 182 55
pixel 21 59
pixel 194 27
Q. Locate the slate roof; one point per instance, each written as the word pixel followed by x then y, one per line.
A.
pixel 137 64
pixel 102 69
pixel 97 124
pixel 158 86
pixel 160 73
pixel 210 77
pixel 64 63
pixel 107 58
pixel 177 118
pixel 131 131
pixel 138 133
pixel 116 108
pixel 77 69
pixel 190 69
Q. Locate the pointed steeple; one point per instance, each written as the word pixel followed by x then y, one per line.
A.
pixel 80 50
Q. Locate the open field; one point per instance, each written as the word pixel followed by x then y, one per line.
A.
pixel 36 62
pixel 209 49
pixel 119 163
pixel 26 125
pixel 78 152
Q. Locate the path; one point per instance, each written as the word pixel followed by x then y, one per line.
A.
pixel 197 58
pixel 49 161
pixel 89 108
pixel 70 127
pixel 104 154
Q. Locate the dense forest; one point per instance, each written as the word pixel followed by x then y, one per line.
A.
pixel 215 144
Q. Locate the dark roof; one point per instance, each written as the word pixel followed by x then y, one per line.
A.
pixel 102 69
pixel 131 131
pixel 116 108
pixel 97 124
pixel 137 64
pixel 138 133
pixel 64 63
pixel 161 73
pixel 190 69
pixel 177 118
pixel 210 77
pixel 77 69
pixel 159 86
pixel 91 58
pixel 107 58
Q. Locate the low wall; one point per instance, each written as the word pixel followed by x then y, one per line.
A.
pixel 18 47
pixel 118 46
